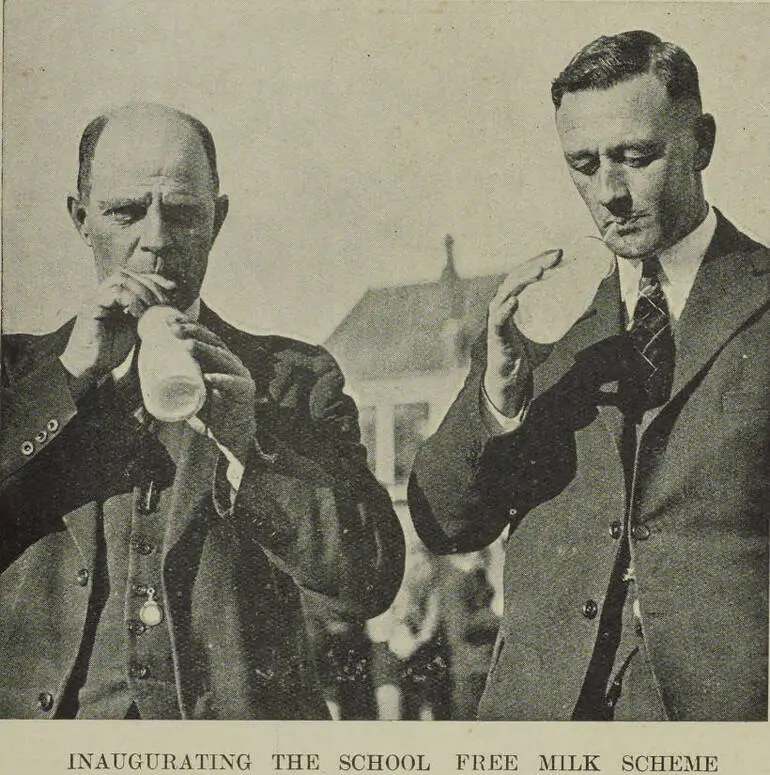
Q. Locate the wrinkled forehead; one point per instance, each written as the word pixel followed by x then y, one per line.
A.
pixel 633 109
pixel 145 148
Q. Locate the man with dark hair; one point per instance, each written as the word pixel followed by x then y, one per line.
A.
pixel 153 569
pixel 623 441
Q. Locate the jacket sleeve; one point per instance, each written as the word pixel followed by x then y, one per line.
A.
pixel 469 483
pixel 52 451
pixel 460 495
pixel 307 496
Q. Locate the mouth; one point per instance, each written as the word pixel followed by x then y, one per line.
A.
pixel 622 224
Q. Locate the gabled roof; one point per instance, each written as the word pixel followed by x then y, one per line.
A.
pixel 407 329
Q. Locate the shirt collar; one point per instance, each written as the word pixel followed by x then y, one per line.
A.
pixel 679 264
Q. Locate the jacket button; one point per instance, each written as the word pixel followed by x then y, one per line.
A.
pixel 616 528
pixel 52 426
pixel 41 437
pixel 640 532
pixel 590 609
pixel 512 512
pixel 82 577
pixel 135 627
pixel 45 701
pixel 26 448
pixel 138 670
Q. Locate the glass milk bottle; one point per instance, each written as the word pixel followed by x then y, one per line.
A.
pixel 170 378
pixel 552 304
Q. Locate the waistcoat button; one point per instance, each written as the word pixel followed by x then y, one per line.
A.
pixel 616 528
pixel 138 544
pixel 590 609
pixel 135 627
pixel 82 577
pixel 138 670
pixel 45 701
pixel 640 532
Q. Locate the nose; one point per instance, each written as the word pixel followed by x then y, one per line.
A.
pixel 155 238
pixel 611 185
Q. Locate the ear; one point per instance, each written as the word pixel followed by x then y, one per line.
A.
pixel 77 211
pixel 705 137
pixel 220 213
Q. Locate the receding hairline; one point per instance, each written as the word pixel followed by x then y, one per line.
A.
pixel 95 128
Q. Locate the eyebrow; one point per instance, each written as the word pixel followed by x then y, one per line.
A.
pixel 172 198
pixel 122 201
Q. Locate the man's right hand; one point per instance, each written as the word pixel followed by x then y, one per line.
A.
pixel 105 328
pixel 510 356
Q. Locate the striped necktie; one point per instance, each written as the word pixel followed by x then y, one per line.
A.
pixel 652 338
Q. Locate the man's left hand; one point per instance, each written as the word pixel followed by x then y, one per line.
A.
pixel 229 409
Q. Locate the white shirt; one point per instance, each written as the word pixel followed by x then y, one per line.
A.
pixel 679 264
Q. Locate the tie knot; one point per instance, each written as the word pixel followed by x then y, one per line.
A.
pixel 651 267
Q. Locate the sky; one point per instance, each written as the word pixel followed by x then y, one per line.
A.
pixel 351 137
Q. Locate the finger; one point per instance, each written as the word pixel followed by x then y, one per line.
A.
pixel 230 390
pixel 187 329
pixel 156 284
pixel 498 319
pixel 120 290
pixel 216 359
pixel 135 296
pixel 528 272
pixel 503 295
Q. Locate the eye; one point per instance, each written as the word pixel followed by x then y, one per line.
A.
pixel 585 166
pixel 125 214
pixel 639 160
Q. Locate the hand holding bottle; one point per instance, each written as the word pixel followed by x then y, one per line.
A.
pixel 535 307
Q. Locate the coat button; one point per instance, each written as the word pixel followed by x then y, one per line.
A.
pixel 135 627
pixel 45 701
pixel 640 532
pixel 138 670
pixel 513 512
pixel 26 448
pixel 82 577
pixel 616 528
pixel 52 426
pixel 590 609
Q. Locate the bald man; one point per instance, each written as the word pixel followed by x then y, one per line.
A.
pixel 154 569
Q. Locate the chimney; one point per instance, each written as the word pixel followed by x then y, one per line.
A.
pixel 454 306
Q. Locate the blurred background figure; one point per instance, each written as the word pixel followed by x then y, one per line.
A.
pixel 409 651
pixel 470 600
pixel 405 351
pixel 342 653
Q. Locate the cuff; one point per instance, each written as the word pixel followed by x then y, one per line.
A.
pixel 497 422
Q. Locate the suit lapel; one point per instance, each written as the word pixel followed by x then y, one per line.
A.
pixel 730 286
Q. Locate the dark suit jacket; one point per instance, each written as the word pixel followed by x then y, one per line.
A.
pixel 699 507
pixel 308 520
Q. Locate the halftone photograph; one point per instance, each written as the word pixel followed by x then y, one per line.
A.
pixel 399 362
